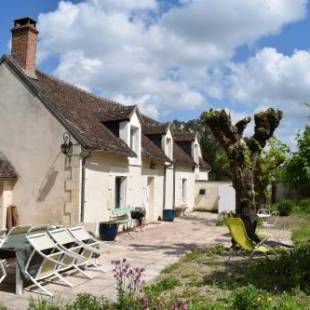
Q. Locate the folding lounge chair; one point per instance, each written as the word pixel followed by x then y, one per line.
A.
pixel 238 233
pixel 51 260
pixel 80 255
pixel 87 241
pixel 2 267
pixel 12 233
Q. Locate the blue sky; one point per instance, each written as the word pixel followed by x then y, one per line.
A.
pixel 177 58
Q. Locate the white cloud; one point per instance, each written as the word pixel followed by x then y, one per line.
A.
pixel 272 79
pixel 169 61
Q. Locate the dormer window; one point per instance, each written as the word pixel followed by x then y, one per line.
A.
pixel 169 147
pixel 196 153
pixel 134 138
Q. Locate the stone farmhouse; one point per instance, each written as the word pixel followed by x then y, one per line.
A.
pixel 68 156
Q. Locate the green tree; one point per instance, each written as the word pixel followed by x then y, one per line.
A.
pixel 298 168
pixel 271 168
pixel 211 150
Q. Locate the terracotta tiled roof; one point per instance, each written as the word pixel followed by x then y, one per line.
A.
pixel 75 109
pixel 7 171
pixel 118 113
pixel 83 113
pixel 160 129
pixel 184 136
pixel 152 151
pixel 181 157
pixel 79 109
pixel 203 164
pixel 148 121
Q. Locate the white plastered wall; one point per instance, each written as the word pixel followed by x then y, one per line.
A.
pixel 185 172
pixel 158 174
pixel 100 172
pixel 6 199
pixel 164 145
pixel 124 134
pixel 196 154
pixel 47 188
pixel 218 196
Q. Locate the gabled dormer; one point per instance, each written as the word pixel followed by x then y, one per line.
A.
pixel 125 123
pixel 161 135
pixel 188 142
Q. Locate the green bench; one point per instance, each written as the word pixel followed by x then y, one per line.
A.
pixel 122 216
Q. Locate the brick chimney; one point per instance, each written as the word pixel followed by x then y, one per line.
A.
pixel 24 44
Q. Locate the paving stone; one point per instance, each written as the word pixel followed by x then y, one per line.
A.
pixel 154 248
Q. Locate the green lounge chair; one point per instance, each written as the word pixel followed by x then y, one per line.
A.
pixel 239 235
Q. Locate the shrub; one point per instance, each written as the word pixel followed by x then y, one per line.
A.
pixel 87 301
pixel 288 272
pixel 288 302
pixel 285 207
pixel 303 206
pixel 165 284
pixel 249 298
pixel 43 304
pixel 301 235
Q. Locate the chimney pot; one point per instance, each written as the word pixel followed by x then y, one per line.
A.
pixel 24 44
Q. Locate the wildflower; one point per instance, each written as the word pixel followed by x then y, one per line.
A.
pixel 146 304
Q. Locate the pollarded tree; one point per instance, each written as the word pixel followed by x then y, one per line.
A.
pixel 243 152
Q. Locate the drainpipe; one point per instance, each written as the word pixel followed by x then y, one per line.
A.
pixel 85 154
pixel 165 182
pixel 173 201
pixel 164 187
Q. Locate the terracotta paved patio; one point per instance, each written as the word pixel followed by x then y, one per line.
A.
pixel 157 246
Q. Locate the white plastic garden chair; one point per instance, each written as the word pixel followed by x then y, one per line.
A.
pixel 2 266
pixel 263 213
pixel 87 241
pixel 52 260
pixel 80 256
pixel 16 230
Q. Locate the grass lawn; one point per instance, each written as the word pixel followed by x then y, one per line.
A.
pixel 204 279
pixel 301 233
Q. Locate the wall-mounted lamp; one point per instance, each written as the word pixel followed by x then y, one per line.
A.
pixel 66 147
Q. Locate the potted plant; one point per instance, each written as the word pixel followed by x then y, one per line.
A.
pixel 108 230
pixel 169 215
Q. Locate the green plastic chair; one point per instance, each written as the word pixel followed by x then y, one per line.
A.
pixel 239 235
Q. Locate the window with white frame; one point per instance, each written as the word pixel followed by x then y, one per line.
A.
pixel 184 190
pixel 134 139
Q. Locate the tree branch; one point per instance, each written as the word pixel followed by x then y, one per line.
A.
pixel 241 125
pixel 266 123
